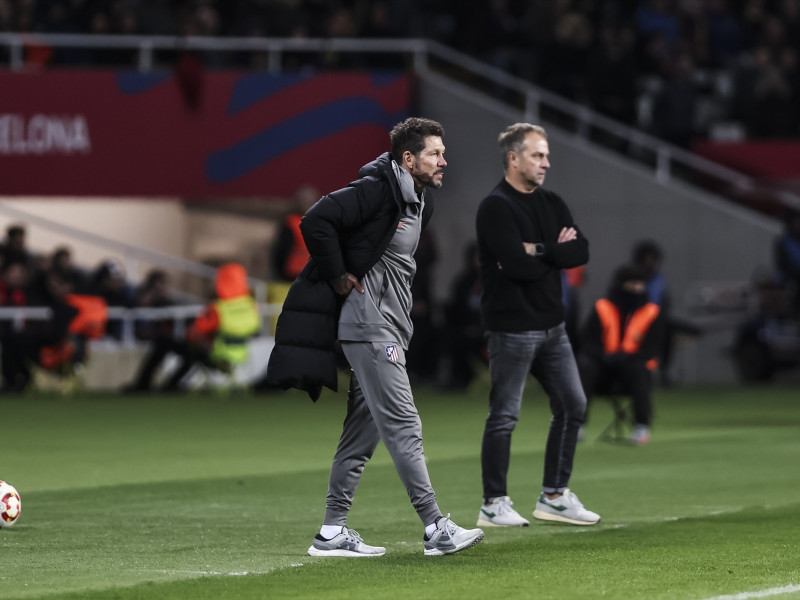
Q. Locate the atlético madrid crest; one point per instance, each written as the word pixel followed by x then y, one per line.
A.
pixel 391 353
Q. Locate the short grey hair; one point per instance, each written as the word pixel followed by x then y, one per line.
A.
pixel 512 139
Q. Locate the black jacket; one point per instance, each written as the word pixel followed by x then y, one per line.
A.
pixel 346 231
pixel 523 292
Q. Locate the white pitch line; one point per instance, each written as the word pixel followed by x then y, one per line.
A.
pixel 213 573
pixel 786 589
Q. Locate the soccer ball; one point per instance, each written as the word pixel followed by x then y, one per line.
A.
pixel 10 505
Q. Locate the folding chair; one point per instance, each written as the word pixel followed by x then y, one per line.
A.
pixel 619 429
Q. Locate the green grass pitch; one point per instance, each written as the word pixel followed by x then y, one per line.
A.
pixel 202 496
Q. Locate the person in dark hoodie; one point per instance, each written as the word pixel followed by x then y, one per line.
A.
pixel 218 337
pixel 620 344
pixel 356 288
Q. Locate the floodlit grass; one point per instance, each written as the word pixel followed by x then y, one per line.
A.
pixel 219 497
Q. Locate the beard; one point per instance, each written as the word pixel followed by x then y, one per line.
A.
pixel 426 180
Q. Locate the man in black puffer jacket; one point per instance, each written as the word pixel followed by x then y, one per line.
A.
pixel 363 238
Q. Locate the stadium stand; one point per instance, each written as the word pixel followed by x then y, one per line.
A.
pixel 725 69
pixel 640 63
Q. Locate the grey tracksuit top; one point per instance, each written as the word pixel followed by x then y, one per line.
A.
pixel 383 311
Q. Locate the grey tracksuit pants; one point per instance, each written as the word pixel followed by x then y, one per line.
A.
pixel 380 406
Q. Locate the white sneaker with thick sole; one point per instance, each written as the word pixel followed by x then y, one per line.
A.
pixel 498 513
pixel 449 538
pixel 347 544
pixel 565 509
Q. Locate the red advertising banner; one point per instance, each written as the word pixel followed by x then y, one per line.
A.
pixel 223 134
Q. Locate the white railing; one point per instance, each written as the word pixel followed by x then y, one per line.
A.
pixel 178 314
pixel 130 254
pixel 666 161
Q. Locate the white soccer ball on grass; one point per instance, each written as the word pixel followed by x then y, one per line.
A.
pixel 10 505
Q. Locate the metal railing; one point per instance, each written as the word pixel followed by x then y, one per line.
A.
pixel 666 161
pixel 129 253
pixel 177 314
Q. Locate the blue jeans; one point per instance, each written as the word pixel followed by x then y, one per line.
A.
pixel 547 355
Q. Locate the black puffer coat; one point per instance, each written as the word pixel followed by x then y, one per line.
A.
pixel 346 231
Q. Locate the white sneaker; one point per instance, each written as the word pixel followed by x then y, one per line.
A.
pixel 498 513
pixel 449 538
pixel 565 509
pixel 348 544
pixel 640 435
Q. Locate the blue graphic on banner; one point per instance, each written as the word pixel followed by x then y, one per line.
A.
pixel 252 89
pixel 226 165
pixel 134 82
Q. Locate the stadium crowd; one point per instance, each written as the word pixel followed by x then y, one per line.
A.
pixel 26 277
pixel 673 66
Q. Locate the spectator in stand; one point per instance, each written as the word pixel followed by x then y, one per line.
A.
pixel 14 247
pixel 573 41
pixel 725 36
pixel 675 109
pixel 154 293
pixel 6 14
pixel 14 280
pixel 379 23
pixel 788 63
pixel 752 16
pixel 549 42
pixel 40 269
pixel 611 74
pixel 62 265
pixel 773 113
pixel 21 348
pixel 289 253
pixel 341 23
pixel 498 41
pixel 108 282
pixel 789 13
pixel 658 18
pixel 746 75
pixel 48 343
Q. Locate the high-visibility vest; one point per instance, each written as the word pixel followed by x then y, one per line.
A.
pixel 239 320
pixel 298 255
pixel 92 316
pixel 90 323
pixel 629 342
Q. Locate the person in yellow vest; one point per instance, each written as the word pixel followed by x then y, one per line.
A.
pixel 218 337
pixel 619 346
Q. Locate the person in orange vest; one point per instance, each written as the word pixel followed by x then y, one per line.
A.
pixel 56 344
pixel 289 253
pixel 620 343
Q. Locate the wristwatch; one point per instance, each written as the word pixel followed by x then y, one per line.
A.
pixel 539 247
